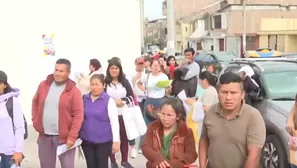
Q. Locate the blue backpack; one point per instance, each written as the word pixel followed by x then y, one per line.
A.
pixel 9 107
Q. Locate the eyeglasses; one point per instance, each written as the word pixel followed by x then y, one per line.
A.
pixel 170 116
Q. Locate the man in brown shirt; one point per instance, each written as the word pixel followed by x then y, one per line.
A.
pixel 233 132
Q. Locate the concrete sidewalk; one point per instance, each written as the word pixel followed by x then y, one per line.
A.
pixel 32 161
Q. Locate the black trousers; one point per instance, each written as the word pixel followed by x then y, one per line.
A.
pixel 97 155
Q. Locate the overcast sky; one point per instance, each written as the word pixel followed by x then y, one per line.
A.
pixel 153 9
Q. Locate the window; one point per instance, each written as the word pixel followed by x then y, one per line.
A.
pixel 217 21
pixel 186 29
pixel 281 84
pixel 205 58
pixel 165 31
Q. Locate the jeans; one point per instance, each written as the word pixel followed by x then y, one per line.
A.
pixel 293 166
pixel 5 161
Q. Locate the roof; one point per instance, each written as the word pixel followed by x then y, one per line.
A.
pixel 277 66
pixel 155 20
pixel 195 16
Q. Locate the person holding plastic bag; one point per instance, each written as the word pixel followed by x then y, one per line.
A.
pixel 209 97
pixel 168 141
pixel 99 112
pixel 119 88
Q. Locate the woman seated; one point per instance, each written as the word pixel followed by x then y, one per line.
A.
pixel 168 141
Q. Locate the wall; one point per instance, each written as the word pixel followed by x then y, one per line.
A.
pixel 80 34
pixel 207 43
pixel 233 45
pixel 263 41
pixel 291 43
pixel 253 20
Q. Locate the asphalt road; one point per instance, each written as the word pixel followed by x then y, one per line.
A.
pixel 32 161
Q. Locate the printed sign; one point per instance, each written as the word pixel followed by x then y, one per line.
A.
pixel 48 45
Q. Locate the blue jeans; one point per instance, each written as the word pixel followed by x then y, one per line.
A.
pixel 6 161
pixel 293 166
pixel 156 103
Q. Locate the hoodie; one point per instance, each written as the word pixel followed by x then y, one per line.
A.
pixel 12 138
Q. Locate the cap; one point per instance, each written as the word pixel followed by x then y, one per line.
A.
pixel 139 60
pixel 3 76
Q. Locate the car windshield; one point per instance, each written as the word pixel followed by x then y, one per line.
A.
pixel 224 57
pixel 282 84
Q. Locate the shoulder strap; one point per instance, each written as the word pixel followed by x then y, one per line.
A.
pixel 9 107
pixel 146 83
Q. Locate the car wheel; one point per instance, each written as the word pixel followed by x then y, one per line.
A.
pixel 274 155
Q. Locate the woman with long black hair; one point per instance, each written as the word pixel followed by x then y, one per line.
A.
pixel 119 88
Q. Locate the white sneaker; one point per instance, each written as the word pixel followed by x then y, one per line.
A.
pixel 133 152
pixel 140 151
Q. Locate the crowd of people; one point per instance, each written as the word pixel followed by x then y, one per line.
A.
pixel 233 132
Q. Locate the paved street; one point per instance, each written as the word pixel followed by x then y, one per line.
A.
pixel 31 160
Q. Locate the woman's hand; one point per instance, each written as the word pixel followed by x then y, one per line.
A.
pixel 290 127
pixel 163 164
pixel 120 102
pixel 292 143
pixel 205 108
pixel 17 158
pixel 190 101
pixel 169 89
pixel 115 147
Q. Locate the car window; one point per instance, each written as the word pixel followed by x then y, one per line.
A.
pixel 224 57
pixel 281 84
pixel 233 69
pixel 204 58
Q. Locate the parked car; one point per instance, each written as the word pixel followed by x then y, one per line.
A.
pixel 277 79
pixel 216 58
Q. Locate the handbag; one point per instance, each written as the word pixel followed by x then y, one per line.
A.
pixel 151 111
pixel 133 120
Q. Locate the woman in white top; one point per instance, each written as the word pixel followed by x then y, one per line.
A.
pixel 119 88
pixel 154 94
pixel 84 81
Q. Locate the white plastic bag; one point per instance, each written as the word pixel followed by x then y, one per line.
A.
pixel 133 120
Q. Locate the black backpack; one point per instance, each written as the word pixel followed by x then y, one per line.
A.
pixel 9 107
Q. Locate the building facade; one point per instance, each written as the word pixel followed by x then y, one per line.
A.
pixel 155 33
pixel 224 27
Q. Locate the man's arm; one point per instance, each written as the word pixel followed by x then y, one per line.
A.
pixel 256 135
pixel 35 103
pixel 78 115
pixel 203 146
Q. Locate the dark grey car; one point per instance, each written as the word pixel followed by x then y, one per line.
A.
pixel 278 82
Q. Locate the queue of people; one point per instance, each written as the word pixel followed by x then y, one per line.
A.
pixel 63 111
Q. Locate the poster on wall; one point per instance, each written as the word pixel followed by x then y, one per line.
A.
pixel 48 45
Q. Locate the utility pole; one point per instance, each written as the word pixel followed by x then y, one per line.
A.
pixel 244 25
pixel 170 28
pixel 141 3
